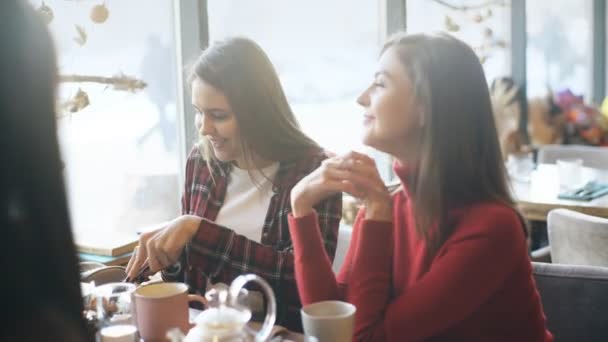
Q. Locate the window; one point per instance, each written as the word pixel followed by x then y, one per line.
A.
pixel 121 153
pixel 559 46
pixel 485 26
pixel 324 51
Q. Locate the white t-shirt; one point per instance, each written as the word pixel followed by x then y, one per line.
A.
pixel 246 203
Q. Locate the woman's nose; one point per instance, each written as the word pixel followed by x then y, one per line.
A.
pixel 204 124
pixel 363 99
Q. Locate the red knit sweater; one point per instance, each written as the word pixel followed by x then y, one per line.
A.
pixel 478 287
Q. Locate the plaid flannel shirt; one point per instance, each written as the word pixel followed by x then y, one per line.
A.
pixel 218 254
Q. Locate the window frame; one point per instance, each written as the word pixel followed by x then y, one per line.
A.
pixel 195 36
pixel 393 17
pixel 192 37
pixel 598 47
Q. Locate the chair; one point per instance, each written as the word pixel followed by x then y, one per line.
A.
pixel 542 254
pixel 592 156
pixel 100 273
pixel 344 236
pixel 577 239
pixel 575 300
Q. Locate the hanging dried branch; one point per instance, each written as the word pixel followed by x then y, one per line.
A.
pixel 46 13
pixel 78 102
pixel 449 5
pixel 82 36
pixel 119 82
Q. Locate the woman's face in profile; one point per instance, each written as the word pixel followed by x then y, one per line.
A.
pixel 216 122
pixel 389 119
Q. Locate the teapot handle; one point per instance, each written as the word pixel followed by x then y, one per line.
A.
pixel 271 306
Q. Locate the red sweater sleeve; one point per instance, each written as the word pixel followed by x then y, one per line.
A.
pixel 471 266
pixel 314 275
pixel 369 285
pixel 449 292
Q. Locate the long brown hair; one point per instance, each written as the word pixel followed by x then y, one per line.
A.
pixel 459 159
pixel 243 72
pixel 38 254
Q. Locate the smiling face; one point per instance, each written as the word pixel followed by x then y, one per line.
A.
pixel 216 122
pixel 391 118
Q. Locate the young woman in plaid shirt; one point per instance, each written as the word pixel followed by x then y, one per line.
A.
pixel 238 182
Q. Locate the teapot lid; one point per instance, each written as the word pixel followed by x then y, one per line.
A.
pixel 223 318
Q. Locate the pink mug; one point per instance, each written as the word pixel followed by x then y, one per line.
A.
pixel 162 306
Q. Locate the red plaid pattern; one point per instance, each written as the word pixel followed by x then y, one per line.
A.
pixel 218 254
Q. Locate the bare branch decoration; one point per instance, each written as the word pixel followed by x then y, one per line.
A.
pixel 119 82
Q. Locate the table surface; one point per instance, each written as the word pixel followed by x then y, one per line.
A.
pixel 538 196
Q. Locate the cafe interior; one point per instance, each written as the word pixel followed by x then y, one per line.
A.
pixel 128 112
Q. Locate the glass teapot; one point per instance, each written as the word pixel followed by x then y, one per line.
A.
pixel 226 319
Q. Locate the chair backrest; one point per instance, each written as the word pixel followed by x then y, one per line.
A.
pixel 344 236
pixel 101 274
pixel 592 156
pixel 577 239
pixel 575 300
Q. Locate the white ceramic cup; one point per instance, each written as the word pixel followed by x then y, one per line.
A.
pixel 119 333
pixel 331 320
pixel 569 172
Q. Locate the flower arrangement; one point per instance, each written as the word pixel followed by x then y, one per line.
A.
pixel 584 124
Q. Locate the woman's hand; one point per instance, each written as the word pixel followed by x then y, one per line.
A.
pixel 162 248
pixel 354 173
pixel 326 180
pixel 369 186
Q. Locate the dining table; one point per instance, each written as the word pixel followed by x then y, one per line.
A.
pixel 537 194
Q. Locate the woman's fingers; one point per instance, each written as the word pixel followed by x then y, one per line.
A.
pixel 154 257
pixel 351 189
pixel 337 167
pixel 131 260
pixel 166 259
pixel 165 247
pixel 364 174
pixel 334 173
pixel 343 161
pixel 367 169
pixel 343 186
pixel 357 172
pixel 339 180
pixel 365 186
pixel 333 176
pixel 137 260
pixel 360 157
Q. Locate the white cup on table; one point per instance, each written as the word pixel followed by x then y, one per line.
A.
pixel 331 320
pixel 119 333
pixel 569 172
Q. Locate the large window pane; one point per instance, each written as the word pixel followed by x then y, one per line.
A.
pixel 120 151
pixel 325 53
pixel 559 46
pixel 485 26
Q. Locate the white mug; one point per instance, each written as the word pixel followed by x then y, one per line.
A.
pixel 119 333
pixel 330 320
pixel 569 172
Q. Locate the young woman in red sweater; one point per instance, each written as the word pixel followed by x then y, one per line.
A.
pixel 444 258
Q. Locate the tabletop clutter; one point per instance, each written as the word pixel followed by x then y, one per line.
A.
pixel 159 311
